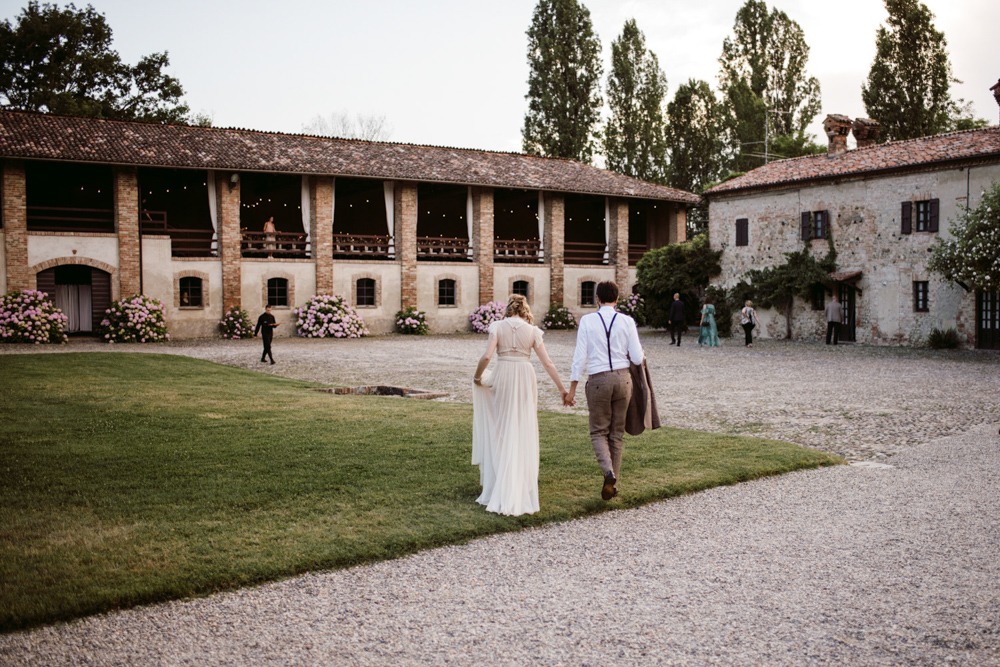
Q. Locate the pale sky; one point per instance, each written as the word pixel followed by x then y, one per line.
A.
pixel 454 72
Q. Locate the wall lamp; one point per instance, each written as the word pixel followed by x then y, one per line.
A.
pixel 233 181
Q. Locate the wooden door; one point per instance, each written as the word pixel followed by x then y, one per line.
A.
pixel 988 320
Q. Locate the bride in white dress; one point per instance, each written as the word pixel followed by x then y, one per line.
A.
pixel 505 413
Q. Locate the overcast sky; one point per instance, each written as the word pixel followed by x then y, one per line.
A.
pixel 453 72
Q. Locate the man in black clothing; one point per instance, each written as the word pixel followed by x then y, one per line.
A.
pixel 265 326
pixel 676 320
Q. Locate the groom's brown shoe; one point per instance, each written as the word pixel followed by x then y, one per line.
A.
pixel 608 490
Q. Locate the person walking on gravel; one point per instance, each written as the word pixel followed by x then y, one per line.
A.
pixel 605 343
pixel 834 316
pixel 265 327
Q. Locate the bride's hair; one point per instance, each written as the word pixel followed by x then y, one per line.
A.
pixel 518 306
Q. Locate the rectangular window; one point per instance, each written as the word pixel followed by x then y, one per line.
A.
pixel 588 293
pixel 920 296
pixel 742 231
pixel 446 292
pixel 366 292
pixel 190 289
pixel 820 222
pixel 923 215
pixel 277 292
pixel 521 287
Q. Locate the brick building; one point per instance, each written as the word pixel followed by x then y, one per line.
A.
pixel 882 206
pixel 96 210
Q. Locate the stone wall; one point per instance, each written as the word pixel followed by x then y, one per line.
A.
pixel 865 224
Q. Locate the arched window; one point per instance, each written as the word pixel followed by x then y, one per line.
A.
pixel 588 293
pixel 366 292
pixel 277 292
pixel 190 289
pixel 446 292
pixel 521 287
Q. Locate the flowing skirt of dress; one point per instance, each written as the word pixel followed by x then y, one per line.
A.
pixel 505 437
pixel 709 334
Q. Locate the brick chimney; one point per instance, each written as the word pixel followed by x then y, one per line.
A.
pixel 865 131
pixel 996 91
pixel 837 127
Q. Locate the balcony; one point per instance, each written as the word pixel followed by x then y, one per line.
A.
pixel 579 252
pixel 516 251
pixel 362 246
pixel 440 248
pixel 280 245
pixel 635 252
pixel 62 219
pixel 183 242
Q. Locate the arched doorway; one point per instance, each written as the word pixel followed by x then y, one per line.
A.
pixel 82 293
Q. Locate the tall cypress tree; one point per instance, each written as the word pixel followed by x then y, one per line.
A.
pixel 908 85
pixel 564 98
pixel 695 137
pixel 633 138
pixel 764 68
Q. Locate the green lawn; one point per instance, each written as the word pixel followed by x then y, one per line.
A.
pixel 136 478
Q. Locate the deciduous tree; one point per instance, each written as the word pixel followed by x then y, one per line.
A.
pixel 971 257
pixel 633 137
pixel 683 268
pixel 61 61
pixel 564 98
pixel 696 137
pixel 369 127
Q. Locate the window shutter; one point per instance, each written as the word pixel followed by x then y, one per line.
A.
pixel 826 224
pixel 743 231
pixel 906 218
pixel 100 294
pixel 933 215
pixel 805 225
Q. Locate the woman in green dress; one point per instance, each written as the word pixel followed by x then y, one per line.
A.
pixel 708 334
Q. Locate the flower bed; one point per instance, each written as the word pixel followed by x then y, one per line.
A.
pixel 633 306
pixel 559 317
pixel 329 316
pixel 137 319
pixel 485 315
pixel 29 316
pixel 235 324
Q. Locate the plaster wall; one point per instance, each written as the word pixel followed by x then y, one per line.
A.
pixel 52 245
pixel 866 231
pixel 301 277
pixel 388 293
pixel 443 319
pixel 161 276
pixel 575 276
pixel 537 276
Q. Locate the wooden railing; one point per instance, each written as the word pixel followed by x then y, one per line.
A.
pixel 183 242
pixel 578 252
pixel 635 252
pixel 361 246
pixel 514 250
pixel 443 248
pixel 62 219
pixel 274 244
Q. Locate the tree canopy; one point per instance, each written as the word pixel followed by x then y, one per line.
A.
pixel 763 79
pixel 633 137
pixel 683 268
pixel 564 97
pixel 695 131
pixel 971 257
pixel 61 61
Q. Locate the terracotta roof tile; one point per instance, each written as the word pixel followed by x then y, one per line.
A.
pixel 911 153
pixel 41 136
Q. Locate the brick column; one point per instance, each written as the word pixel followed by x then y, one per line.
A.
pixel 15 227
pixel 555 236
pixel 618 241
pixel 482 241
pixel 127 224
pixel 230 240
pixel 321 232
pixel 406 241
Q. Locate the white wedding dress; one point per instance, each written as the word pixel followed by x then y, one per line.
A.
pixel 505 422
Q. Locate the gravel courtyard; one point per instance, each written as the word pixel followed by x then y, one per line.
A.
pixel 891 561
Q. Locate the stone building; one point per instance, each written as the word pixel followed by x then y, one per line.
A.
pixel 881 206
pixel 97 210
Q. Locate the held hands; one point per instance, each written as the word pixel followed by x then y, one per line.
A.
pixel 568 398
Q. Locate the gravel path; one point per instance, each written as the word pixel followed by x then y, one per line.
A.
pixel 870 564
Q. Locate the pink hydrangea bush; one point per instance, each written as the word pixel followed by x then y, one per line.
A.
pixel 235 324
pixel 485 315
pixel 329 316
pixel 29 316
pixel 136 319
pixel 559 317
pixel 412 321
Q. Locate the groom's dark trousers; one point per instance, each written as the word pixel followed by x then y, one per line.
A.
pixel 608 394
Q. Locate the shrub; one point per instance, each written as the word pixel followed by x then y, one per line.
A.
pixel 29 316
pixel 236 324
pixel 412 321
pixel 328 316
pixel 943 340
pixel 633 306
pixel 137 319
pixel 558 317
pixel 485 315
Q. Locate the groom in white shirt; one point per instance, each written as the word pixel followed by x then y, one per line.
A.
pixel 605 342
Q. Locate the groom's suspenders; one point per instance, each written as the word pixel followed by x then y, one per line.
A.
pixel 607 332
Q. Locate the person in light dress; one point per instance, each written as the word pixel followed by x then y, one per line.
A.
pixel 505 412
